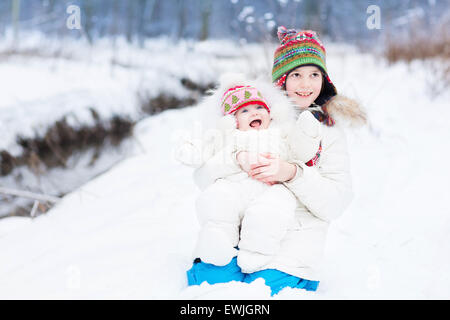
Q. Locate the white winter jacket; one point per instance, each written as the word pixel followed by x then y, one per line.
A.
pixel 323 192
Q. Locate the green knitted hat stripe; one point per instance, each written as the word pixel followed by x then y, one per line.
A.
pixel 295 62
pixel 299 49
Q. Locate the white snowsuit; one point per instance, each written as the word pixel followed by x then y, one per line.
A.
pixel 240 211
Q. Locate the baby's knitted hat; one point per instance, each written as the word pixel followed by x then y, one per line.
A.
pixel 241 96
pixel 299 49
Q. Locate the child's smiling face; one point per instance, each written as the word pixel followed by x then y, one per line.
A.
pixel 303 85
pixel 252 117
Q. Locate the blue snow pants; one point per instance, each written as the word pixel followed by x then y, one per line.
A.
pixel 275 279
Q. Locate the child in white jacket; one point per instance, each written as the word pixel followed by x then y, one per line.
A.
pixel 237 210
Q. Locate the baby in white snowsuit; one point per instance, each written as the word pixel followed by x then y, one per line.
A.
pixel 238 210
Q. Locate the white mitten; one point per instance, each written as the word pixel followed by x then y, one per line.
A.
pixel 309 125
pixel 304 139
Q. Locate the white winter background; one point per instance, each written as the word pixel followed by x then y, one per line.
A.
pixel 129 233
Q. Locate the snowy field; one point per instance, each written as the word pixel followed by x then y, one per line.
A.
pixel 129 233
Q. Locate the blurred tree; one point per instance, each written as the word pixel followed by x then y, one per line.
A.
pixel 15 20
pixel 142 8
pixel 205 15
pixel 181 18
pixel 130 19
pixel 87 8
pixel 312 15
pixel 326 18
pixel 114 21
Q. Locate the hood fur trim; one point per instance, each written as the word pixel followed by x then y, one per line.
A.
pixel 346 111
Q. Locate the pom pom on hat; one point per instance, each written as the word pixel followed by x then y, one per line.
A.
pixel 282 33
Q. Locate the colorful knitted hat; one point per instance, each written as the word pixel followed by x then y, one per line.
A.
pixel 241 96
pixel 300 49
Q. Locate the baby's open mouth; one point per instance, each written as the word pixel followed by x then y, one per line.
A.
pixel 304 94
pixel 255 123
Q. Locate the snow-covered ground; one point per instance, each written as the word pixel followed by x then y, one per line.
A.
pixel 129 233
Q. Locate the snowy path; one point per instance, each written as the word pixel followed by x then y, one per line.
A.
pixel 128 234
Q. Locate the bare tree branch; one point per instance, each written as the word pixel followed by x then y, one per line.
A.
pixel 29 195
pixel 33 210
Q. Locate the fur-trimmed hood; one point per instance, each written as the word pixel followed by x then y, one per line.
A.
pixel 346 112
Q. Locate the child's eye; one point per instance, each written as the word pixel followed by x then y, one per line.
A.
pixel 315 74
pixel 295 75
pixel 244 110
pixel 259 107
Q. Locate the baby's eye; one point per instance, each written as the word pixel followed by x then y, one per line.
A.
pixel 259 107
pixel 243 110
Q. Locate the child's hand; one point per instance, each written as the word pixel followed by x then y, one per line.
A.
pixel 272 170
pixel 249 160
